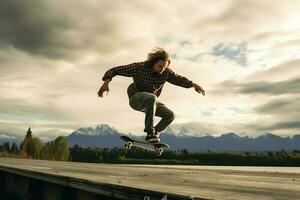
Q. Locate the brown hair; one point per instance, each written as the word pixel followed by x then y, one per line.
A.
pixel 157 54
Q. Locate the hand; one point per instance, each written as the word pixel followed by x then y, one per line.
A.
pixel 102 89
pixel 199 89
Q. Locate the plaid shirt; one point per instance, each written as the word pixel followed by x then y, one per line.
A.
pixel 145 79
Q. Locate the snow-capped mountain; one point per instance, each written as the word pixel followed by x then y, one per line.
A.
pixel 230 136
pixel 100 130
pixel 188 132
pixel 104 135
pixel 184 131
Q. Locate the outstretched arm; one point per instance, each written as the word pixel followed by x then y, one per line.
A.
pixel 182 81
pixel 124 70
pixel 177 79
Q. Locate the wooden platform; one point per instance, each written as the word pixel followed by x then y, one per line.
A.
pixel 203 182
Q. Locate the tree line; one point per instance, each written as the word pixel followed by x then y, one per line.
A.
pixel 34 148
pixel 140 156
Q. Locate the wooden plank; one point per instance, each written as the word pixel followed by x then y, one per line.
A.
pixel 104 189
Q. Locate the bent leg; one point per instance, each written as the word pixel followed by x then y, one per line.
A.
pixel 145 102
pixel 166 114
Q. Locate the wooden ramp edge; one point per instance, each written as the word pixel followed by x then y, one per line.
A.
pixel 74 187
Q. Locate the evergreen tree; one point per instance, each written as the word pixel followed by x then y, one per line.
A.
pixel 28 136
pixel 29 133
pixel 6 147
pixel 14 148
pixel 31 146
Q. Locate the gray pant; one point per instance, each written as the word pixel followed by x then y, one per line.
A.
pixel 148 103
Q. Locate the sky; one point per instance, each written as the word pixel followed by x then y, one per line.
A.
pixel 244 53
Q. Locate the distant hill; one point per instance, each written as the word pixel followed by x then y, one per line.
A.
pixel 11 139
pixel 105 136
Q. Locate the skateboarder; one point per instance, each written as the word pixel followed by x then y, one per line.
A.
pixel 149 77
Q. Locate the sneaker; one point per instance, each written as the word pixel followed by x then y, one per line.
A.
pixel 152 138
pixel 157 133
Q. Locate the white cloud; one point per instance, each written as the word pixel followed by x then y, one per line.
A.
pixel 58 83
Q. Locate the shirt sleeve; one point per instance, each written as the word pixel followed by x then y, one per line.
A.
pixel 179 80
pixel 124 70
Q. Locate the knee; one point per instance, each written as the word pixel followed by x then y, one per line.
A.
pixel 152 98
pixel 171 115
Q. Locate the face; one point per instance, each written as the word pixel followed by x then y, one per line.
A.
pixel 160 66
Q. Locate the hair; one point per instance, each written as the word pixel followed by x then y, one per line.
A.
pixel 157 54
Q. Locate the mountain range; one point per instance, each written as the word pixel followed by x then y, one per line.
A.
pixel 104 135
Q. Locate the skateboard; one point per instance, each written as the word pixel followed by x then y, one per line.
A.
pixel 158 147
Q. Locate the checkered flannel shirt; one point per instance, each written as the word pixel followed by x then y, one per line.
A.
pixel 145 79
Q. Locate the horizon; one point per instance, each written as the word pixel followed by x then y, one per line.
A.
pixel 170 130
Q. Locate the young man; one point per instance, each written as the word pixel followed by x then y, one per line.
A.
pixel 149 77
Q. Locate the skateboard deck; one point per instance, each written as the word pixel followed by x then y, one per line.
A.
pixel 157 147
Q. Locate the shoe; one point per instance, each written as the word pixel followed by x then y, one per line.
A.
pixel 152 137
pixel 157 133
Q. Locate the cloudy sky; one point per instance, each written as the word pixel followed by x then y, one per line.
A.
pixel 245 54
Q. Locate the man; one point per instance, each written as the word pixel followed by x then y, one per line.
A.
pixel 149 77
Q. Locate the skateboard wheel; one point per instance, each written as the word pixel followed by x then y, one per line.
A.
pixel 128 145
pixel 159 151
